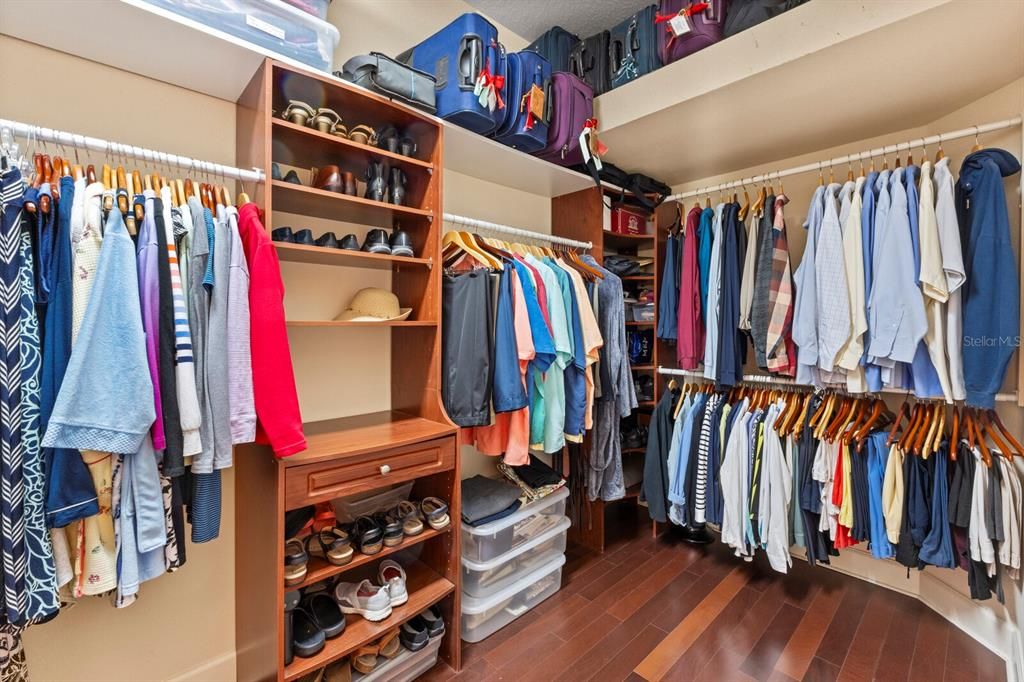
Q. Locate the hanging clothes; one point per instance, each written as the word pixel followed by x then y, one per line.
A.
pixel 690 333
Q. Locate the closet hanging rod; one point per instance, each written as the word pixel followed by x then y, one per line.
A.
pixel 66 139
pixel 515 231
pixel 850 158
pixel 762 379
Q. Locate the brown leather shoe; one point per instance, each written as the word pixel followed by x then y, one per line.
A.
pixel 350 183
pixel 329 178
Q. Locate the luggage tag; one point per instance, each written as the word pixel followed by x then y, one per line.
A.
pixel 533 102
pixel 680 25
pixel 486 88
pixel 590 145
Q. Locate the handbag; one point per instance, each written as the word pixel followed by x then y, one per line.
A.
pixel 380 73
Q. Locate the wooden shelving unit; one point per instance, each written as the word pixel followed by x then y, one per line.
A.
pixel 413 441
pixel 580 215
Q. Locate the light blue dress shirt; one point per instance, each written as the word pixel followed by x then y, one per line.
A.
pixel 805 330
pixel 711 323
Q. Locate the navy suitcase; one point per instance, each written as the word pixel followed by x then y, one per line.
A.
pixel 455 56
pixel 633 47
pixel 555 45
pixel 521 129
pixel 589 62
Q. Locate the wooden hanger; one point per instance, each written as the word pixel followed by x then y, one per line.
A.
pixel 927 435
pixel 936 442
pixel 992 433
pixel 1018 449
pixel 908 433
pixel 874 415
pixel 108 184
pixel 977 439
pixel 462 240
pixel 977 143
pixel 896 424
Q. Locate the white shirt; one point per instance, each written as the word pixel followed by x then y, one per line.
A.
pixel 735 483
pixel 853 257
pixel 977 533
pixel 779 489
pixel 823 471
pixel 714 293
pixel 832 302
pixel 1009 550
pixel 953 265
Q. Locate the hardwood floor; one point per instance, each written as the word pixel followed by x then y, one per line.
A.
pixel 663 610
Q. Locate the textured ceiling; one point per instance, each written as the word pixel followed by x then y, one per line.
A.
pixel 530 18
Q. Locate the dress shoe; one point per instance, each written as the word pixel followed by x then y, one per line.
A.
pixel 349 243
pixel 401 244
pixel 329 178
pixel 350 183
pixel 407 147
pixel 293 178
pixel 275 172
pixel 305 237
pixel 387 138
pixel 283 234
pixel 396 187
pixel 376 180
pixel 328 240
pixel 377 242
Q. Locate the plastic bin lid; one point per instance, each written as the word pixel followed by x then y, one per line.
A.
pixel 471 606
pixel 553 532
pixel 526 511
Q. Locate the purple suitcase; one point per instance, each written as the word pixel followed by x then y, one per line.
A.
pixel 706 28
pixel 571 104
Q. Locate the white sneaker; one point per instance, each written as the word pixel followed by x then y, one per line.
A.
pixel 368 600
pixel 392 575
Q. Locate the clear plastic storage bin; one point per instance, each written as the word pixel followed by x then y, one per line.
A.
pixel 483 543
pixel 482 579
pixel 348 509
pixel 405 667
pixel 269 24
pixel 481 618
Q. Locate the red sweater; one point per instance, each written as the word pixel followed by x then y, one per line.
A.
pixel 279 423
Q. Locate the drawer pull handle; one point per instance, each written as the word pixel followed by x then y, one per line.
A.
pixel 385 469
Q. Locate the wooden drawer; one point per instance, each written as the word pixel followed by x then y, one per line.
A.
pixel 360 473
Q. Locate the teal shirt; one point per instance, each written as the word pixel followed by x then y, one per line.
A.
pixel 547 422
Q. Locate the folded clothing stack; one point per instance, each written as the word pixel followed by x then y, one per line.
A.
pixel 488 499
pixel 535 480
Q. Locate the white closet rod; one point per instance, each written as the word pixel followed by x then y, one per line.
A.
pixel 63 138
pixel 515 231
pixel 762 379
pixel 850 158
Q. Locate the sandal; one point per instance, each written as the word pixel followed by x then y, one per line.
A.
pixel 363 134
pixel 409 515
pixel 436 512
pixel 368 534
pixel 392 529
pixel 332 544
pixel 325 613
pixel 326 120
pixel 364 659
pixel 339 671
pixel 389 645
pixel 298 112
pixel 295 560
pixel 340 130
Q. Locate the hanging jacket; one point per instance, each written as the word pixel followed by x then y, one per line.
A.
pixel 690 332
pixel 991 309
pixel 668 299
pixel 659 436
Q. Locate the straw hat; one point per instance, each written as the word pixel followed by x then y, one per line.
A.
pixel 374 305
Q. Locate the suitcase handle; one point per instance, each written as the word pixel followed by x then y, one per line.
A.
pixel 633 38
pixel 615 55
pixel 548 104
pixel 469 47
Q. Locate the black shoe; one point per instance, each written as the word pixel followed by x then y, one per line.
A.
pixel 401 244
pixel 396 187
pixel 275 172
pixel 377 242
pixel 432 618
pixel 304 237
pixel 291 600
pixel 283 234
pixel 328 240
pixel 349 243
pixel 293 178
pixel 307 637
pixel 407 147
pixel 376 180
pixel 413 634
pixel 387 138
pixel 325 612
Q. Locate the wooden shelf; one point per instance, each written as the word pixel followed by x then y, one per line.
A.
pixel 638 278
pixel 349 323
pixel 318 255
pixel 639 324
pixel 646 403
pixel 319 569
pixel 633 451
pixel 320 149
pixel 319 203
pixel 364 433
pixel 425 588
pixel 641 368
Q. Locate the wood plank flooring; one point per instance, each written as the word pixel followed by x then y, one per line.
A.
pixel 663 610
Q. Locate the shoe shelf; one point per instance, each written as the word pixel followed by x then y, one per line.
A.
pixel 320 203
pixel 312 146
pixel 638 278
pixel 633 451
pixel 318 569
pixel 319 255
pixel 426 587
pixel 640 324
pixel 642 368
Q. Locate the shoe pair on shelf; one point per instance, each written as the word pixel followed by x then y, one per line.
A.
pixel 389 528
pixel 389 138
pixel 314 617
pixel 374 602
pixel 418 631
pixel 385 183
pixel 327 121
pixel 377 241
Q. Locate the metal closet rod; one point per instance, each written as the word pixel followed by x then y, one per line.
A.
pixel 850 158
pixel 762 379
pixel 515 231
pixel 66 139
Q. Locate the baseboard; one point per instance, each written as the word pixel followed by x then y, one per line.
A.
pixel 219 669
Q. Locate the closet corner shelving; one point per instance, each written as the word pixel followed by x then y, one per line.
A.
pixel 412 441
pixel 581 215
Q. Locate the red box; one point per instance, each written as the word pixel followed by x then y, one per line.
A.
pixel 628 220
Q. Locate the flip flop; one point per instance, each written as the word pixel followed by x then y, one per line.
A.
pixel 295 560
pixel 436 512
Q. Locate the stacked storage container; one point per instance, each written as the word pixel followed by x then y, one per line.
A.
pixel 512 564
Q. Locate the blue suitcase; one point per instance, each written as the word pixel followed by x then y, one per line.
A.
pixel 455 56
pixel 633 47
pixel 520 129
pixel 555 46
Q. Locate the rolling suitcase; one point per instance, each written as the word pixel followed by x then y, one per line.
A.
pixel 589 61
pixel 459 56
pixel 555 45
pixel 633 47
pixel 571 102
pixel 705 20
pixel 527 82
